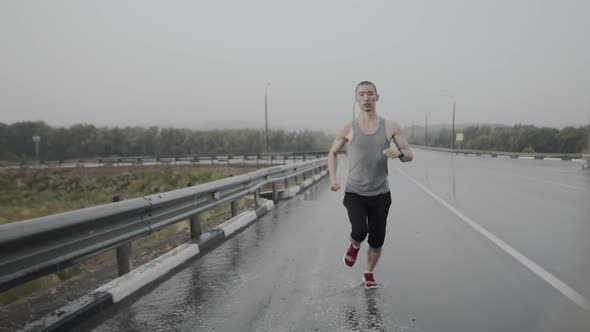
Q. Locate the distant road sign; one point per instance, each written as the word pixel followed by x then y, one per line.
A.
pixel 459 137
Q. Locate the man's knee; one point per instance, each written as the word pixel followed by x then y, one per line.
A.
pixel 359 232
pixel 358 236
pixel 376 241
pixel 377 250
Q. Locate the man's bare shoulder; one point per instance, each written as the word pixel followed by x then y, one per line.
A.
pixel 392 123
pixel 392 126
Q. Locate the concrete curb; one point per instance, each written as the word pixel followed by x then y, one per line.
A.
pixel 71 314
pixel 208 241
pixel 118 289
pixel 244 219
pixel 293 191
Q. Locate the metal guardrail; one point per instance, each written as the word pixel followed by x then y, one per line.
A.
pixel 37 247
pixel 265 158
pixel 563 156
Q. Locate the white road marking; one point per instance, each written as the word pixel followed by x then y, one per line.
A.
pixel 559 285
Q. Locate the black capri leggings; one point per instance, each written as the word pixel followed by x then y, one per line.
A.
pixel 368 214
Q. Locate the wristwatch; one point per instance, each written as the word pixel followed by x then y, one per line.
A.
pixel 401 155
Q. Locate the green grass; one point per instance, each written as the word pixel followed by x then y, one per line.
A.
pixel 25 196
pixel 27 288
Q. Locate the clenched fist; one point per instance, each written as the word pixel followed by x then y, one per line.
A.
pixel 391 153
pixel 334 185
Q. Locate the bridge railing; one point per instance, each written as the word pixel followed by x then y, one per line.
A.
pixel 37 247
pixel 259 158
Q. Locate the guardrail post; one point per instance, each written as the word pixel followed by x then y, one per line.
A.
pixel 275 192
pixel 195 222
pixel 124 256
pixel 235 208
pixel 257 197
pixel 286 183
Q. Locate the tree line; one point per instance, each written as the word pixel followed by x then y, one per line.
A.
pixel 88 141
pixel 519 138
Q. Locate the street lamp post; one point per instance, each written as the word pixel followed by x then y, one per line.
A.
pixel 588 151
pixel 445 94
pixel 37 139
pixel 426 131
pixel 266 115
pixel 453 137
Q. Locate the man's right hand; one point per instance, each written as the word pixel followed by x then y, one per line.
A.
pixel 334 185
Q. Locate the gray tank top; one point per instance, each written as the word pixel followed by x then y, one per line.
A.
pixel 367 170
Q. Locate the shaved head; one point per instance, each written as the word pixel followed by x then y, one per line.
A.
pixel 365 83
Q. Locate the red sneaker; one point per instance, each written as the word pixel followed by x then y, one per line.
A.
pixel 350 255
pixel 369 280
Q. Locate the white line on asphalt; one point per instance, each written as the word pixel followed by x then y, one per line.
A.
pixel 534 267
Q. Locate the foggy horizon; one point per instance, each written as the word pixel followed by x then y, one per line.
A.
pixel 188 64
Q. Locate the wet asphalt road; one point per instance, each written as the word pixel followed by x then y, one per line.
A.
pixel 285 272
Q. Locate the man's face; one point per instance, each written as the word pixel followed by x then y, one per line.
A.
pixel 366 97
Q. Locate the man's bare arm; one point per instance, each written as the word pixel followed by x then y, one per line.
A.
pixel 401 143
pixel 341 139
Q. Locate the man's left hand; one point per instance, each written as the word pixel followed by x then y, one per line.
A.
pixel 391 153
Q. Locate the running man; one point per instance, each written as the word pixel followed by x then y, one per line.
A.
pixel 367 198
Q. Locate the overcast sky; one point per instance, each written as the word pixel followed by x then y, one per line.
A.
pixel 188 63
